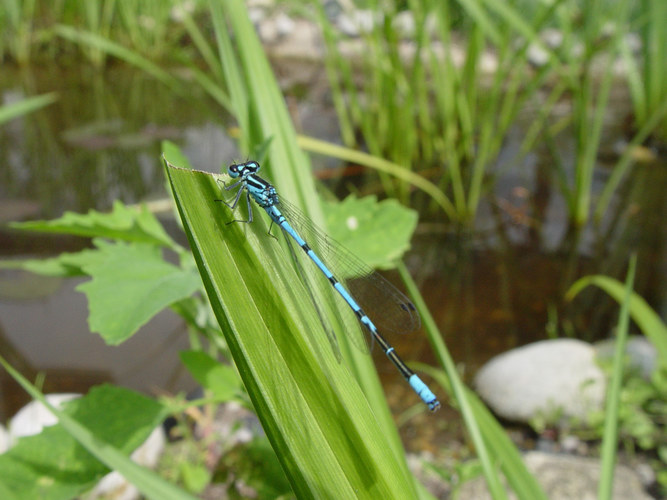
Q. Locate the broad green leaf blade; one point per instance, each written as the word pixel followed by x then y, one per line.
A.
pixel 260 109
pixel 123 223
pixel 10 111
pixel 130 284
pixel 645 317
pixel 378 233
pixel 109 423
pixel 313 411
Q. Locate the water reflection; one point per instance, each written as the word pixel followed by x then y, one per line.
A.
pixel 101 140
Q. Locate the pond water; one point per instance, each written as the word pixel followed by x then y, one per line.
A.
pixel 498 286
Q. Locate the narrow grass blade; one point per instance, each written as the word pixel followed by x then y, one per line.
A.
pixel 381 165
pixel 610 436
pixel 107 46
pixel 646 318
pixel 10 111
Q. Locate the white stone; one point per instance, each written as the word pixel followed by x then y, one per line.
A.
pixel 547 379
pixel 284 24
pixel 404 23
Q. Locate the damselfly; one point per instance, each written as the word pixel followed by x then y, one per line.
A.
pixel 393 310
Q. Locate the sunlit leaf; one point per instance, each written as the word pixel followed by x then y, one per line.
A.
pixel 377 233
pixel 122 223
pixel 130 284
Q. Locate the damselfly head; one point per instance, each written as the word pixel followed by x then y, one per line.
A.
pixel 242 169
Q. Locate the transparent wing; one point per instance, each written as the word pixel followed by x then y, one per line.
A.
pixel 384 304
pixel 308 283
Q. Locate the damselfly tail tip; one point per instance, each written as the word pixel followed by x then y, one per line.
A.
pixel 434 405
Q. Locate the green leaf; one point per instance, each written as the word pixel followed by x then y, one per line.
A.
pixel 222 380
pixel 377 233
pixel 130 284
pixel 53 465
pixel 614 390
pixel 311 407
pixel 123 223
pixel 64 265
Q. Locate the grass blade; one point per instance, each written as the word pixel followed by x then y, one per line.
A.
pixel 107 46
pixel 646 318
pixel 610 436
pixel 10 111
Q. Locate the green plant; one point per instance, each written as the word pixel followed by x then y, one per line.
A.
pixel 146 24
pixel 429 110
pixel 94 435
pixel 641 419
pixel 638 415
pixel 492 444
pixel 647 78
pixel 17 24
